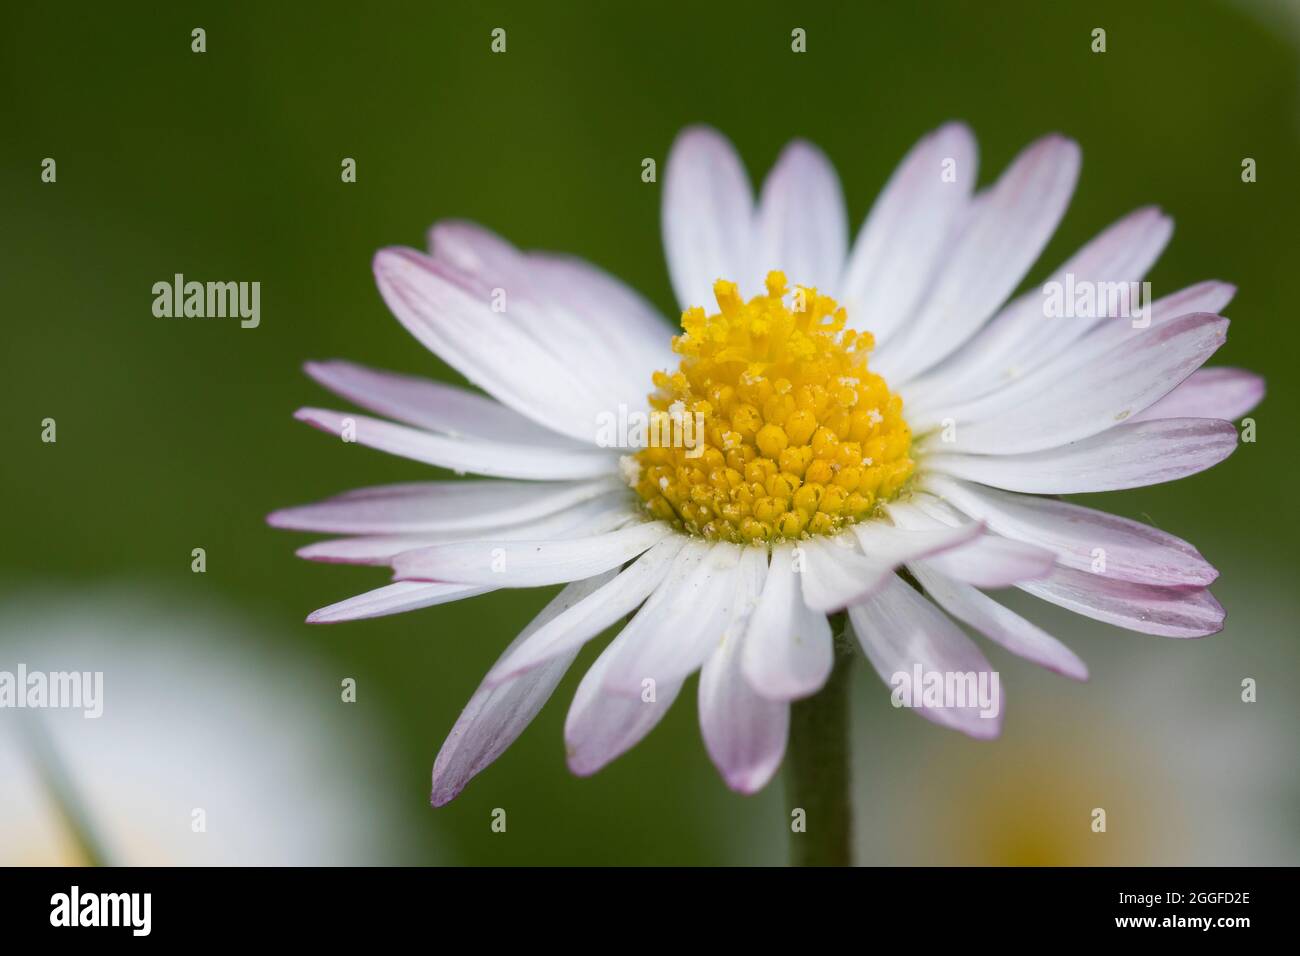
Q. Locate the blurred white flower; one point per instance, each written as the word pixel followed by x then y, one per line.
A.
pixel 204 720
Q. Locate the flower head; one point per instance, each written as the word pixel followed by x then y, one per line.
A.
pixel 798 436
pixel 889 413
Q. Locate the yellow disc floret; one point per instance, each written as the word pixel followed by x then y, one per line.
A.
pixel 795 435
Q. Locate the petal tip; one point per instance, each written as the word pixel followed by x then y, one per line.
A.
pixel 388 263
pixel 701 134
pixel 955 128
pixel 443 794
pixel 986 728
pixel 578 766
pixel 1076 670
pixel 749 781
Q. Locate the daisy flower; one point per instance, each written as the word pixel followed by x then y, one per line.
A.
pixel 881 431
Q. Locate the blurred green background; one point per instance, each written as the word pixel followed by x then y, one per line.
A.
pixel 175 434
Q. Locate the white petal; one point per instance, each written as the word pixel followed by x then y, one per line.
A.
pixel 1007 232
pixel 986 560
pixel 1127 456
pixel 561 297
pixel 672 634
pixel 994 562
pixel 1167 612
pixel 470 248
pixel 1210 296
pixel 434 406
pixel 528 564
pixel 1079 536
pixel 1109 335
pixel 900 630
pixel 1056 338
pixel 437 506
pixel 375 549
pixel 464 454
pixel 594 516
pixel 601 725
pixel 518 355
pixel 589 298
pixel 1044 410
pixel 1022 336
pixel 567 308
pixel 598 611
pixel 744 733
pixel 998 623
pixel 495 716
pixel 394 599
pixel 802 229
pixel 986 379
pixel 788 650
pixel 1226 393
pixel 891 545
pixel 708 217
pixel 835 573
pixel 903 241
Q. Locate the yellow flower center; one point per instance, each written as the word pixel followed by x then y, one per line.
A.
pixel 798 436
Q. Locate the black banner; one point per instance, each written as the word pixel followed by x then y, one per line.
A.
pixel 302 905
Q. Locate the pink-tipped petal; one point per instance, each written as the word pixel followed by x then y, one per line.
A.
pixel 1165 612
pixel 670 638
pixel 433 406
pixel 834 573
pixel 516 349
pixel 997 623
pixel 1045 410
pixel 395 598
pixel 602 726
pixel 1081 537
pixel 1226 393
pixel 991 561
pixel 559 298
pixel 894 545
pixel 592 615
pixel 1007 230
pixel 744 733
pixel 593 516
pixel 496 715
pixel 1022 336
pixel 461 454
pixel 1128 456
pixel 528 564
pixel 985 560
pixel 788 651
pixel 371 550
pixel 900 631
pixel 902 244
pixel 437 506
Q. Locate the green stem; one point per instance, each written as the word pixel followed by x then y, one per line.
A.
pixel 817 767
pixel 56 779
